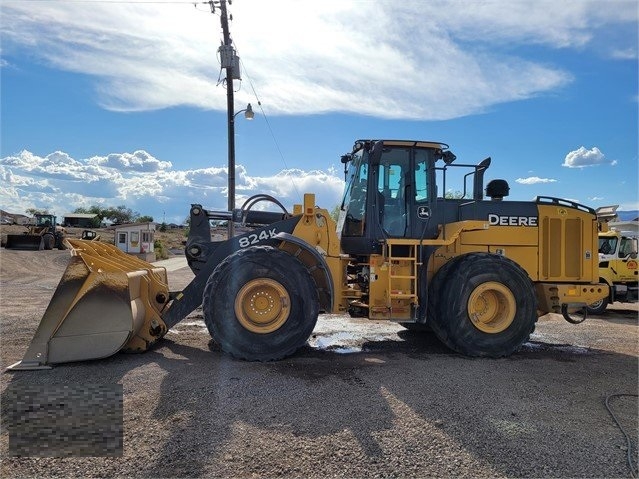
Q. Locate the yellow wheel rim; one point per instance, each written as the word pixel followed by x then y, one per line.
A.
pixel 491 307
pixel 262 305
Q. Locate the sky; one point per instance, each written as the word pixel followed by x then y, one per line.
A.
pixel 111 102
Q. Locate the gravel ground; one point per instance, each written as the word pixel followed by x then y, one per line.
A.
pixel 362 399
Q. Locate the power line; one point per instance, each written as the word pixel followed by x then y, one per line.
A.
pixel 183 2
pixel 259 104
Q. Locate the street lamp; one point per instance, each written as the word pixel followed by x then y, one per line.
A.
pixel 249 115
pixel 248 112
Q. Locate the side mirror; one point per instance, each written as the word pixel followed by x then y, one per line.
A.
pixel 448 157
pixel 633 255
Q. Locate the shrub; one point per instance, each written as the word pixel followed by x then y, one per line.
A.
pixel 160 251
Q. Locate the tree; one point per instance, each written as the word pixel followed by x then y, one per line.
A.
pixel 92 210
pixel 121 214
pixel 453 195
pixel 37 211
pixel 335 213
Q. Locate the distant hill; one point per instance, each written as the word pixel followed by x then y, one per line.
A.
pixel 628 215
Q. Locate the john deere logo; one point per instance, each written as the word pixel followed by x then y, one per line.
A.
pixel 498 220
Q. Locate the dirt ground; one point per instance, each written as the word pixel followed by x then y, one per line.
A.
pixel 361 400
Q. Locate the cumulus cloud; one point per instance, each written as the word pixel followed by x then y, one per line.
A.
pixel 533 180
pixel 314 59
pixel 146 184
pixel 582 157
pixel 137 161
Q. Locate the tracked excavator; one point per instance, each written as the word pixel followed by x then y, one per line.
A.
pixel 478 270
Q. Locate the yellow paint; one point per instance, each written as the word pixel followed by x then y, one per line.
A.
pixel 262 306
pixel 491 307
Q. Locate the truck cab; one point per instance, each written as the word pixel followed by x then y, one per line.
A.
pixel 618 265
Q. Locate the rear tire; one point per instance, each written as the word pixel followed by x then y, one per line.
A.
pixel 435 318
pixel 598 308
pixel 260 304
pixel 60 243
pixel 487 306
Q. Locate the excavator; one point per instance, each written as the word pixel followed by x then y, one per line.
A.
pixel 476 268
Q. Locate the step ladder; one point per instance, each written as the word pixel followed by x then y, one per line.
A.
pixel 402 268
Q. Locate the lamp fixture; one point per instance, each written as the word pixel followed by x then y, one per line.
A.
pixel 248 112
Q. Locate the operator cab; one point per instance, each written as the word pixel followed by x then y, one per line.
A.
pixel 45 220
pixel 391 192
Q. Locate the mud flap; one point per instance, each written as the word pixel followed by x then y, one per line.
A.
pixel 106 301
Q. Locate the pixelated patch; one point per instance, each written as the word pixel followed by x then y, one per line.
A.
pixel 64 421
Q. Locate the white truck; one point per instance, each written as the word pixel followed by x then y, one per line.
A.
pixel 618 265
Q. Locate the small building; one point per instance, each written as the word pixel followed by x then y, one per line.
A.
pixel 136 239
pixel 79 220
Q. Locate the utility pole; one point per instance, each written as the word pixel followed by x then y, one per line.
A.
pixel 227 55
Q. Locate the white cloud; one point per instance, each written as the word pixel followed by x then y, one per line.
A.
pixel 582 157
pixel 596 198
pixel 318 57
pixel 571 23
pixel 533 180
pixel 146 184
pixel 137 161
pixel 626 54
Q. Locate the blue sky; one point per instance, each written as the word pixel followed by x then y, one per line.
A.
pixel 116 103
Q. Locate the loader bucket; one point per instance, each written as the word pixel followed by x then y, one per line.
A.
pixel 106 301
pixel 26 242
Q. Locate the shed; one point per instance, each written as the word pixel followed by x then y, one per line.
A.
pixel 79 220
pixel 136 239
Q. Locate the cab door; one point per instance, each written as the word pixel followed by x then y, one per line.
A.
pixel 404 196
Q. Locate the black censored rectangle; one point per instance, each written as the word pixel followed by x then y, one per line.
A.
pixel 64 421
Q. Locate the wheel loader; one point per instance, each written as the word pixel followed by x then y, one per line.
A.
pixel 476 269
pixel 44 234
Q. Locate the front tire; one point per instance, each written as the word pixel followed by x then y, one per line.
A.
pixel 260 304
pixel 49 241
pixel 486 306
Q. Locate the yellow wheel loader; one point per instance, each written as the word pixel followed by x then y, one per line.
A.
pixel 477 271
pixel 44 234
